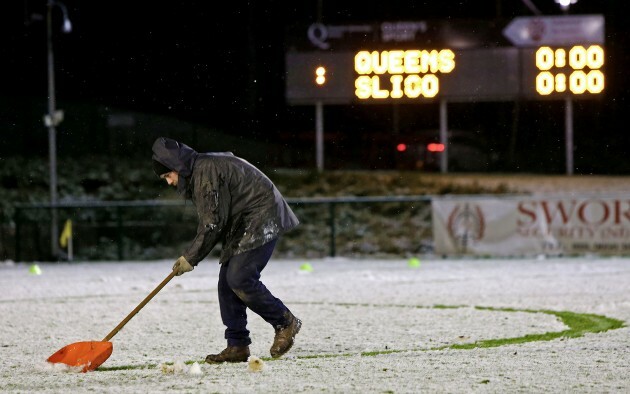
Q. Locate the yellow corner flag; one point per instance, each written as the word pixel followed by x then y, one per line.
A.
pixel 66 234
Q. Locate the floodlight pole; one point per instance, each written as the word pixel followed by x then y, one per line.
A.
pixel 568 108
pixel 52 119
pixel 52 139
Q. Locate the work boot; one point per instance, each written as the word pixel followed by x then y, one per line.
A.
pixel 231 354
pixel 285 335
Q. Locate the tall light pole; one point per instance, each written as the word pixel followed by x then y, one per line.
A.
pixel 52 119
pixel 568 107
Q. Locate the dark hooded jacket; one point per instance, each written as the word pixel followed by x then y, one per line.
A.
pixel 236 203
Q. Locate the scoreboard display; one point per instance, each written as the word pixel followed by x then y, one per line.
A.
pixel 407 72
pixel 400 73
pixel 577 70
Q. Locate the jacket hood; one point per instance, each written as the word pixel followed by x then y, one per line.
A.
pixel 178 157
pixel 175 155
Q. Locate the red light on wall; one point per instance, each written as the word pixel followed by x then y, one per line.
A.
pixel 435 147
pixel 401 147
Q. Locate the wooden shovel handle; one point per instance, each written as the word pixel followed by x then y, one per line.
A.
pixel 140 306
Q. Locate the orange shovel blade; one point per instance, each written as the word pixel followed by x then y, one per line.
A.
pixel 88 355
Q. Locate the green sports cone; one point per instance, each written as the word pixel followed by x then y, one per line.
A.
pixel 306 267
pixel 413 262
pixel 34 270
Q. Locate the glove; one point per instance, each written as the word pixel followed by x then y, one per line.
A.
pixel 182 266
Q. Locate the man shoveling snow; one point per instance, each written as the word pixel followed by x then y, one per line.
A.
pixel 238 205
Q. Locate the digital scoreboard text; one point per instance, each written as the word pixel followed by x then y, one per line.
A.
pixel 424 74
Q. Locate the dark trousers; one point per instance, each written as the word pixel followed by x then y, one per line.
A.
pixel 240 288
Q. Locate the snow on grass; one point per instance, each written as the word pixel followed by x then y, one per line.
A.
pixel 368 326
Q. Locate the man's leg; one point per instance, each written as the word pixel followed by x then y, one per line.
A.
pixel 234 317
pixel 233 311
pixel 243 277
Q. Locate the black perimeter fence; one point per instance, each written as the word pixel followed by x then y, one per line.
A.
pixel 146 230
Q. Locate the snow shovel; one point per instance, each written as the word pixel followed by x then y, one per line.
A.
pixel 90 355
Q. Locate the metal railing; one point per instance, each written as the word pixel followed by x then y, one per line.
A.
pixel 118 216
pixel 333 202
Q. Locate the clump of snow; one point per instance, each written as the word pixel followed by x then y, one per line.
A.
pixel 255 364
pixel 180 367
pixel 59 367
pixel 195 369
pixel 175 368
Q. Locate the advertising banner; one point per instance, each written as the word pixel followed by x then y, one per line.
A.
pixel 531 225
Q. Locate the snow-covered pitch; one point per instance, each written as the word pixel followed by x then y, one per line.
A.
pixel 368 326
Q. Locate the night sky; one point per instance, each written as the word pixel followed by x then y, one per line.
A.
pixel 224 69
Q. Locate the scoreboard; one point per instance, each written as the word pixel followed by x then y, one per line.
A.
pixel 423 69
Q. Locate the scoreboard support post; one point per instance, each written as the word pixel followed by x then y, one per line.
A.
pixel 319 135
pixel 444 136
pixel 568 133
